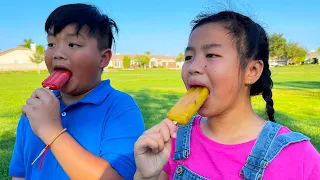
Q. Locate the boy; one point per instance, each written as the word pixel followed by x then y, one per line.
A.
pixel 89 126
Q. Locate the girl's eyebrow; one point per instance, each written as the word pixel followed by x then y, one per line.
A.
pixel 212 45
pixel 204 47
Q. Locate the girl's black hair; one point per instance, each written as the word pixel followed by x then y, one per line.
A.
pixel 100 25
pixel 251 42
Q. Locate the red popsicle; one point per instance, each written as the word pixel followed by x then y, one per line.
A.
pixel 57 79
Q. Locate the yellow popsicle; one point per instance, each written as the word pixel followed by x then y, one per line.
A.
pixel 188 105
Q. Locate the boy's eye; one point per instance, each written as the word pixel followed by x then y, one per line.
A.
pixel 50 45
pixel 211 55
pixel 188 58
pixel 73 45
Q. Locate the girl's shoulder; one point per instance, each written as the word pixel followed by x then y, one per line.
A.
pixel 302 152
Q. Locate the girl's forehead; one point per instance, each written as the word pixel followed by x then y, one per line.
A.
pixel 211 33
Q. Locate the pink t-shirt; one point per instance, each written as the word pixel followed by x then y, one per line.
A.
pixel 218 161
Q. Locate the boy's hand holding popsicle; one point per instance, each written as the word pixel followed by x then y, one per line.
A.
pixel 43 108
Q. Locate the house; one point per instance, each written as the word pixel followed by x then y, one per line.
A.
pixel 313 57
pixel 155 61
pixel 278 62
pixel 18 59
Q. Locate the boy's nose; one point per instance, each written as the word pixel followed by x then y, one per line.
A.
pixel 59 54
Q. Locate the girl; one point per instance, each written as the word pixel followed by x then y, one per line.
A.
pixel 227 53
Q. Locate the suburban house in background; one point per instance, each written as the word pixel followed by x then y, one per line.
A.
pixel 155 61
pixel 313 57
pixel 278 62
pixel 19 59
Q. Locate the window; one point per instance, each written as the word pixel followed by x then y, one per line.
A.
pixel 118 64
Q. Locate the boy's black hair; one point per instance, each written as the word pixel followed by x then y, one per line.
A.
pixel 251 42
pixel 100 25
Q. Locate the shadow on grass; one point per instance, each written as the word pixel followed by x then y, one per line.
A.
pixel 154 105
pixel 6 147
pixel 299 84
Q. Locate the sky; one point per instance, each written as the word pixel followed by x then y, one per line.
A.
pixel 162 27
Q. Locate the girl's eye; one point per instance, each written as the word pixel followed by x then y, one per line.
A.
pixel 211 55
pixel 51 45
pixel 73 45
pixel 188 58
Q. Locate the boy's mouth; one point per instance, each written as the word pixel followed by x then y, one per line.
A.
pixel 60 67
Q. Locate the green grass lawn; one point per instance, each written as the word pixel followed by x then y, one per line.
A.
pixel 296 97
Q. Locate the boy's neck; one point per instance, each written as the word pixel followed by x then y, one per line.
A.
pixel 240 124
pixel 69 99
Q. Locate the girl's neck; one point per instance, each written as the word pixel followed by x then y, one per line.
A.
pixel 239 124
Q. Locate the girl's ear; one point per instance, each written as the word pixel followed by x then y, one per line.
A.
pixel 105 57
pixel 253 71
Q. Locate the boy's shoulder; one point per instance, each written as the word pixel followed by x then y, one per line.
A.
pixel 105 94
pixel 120 97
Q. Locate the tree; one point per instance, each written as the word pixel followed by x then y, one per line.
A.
pixel 40 49
pixel 147 52
pixel 27 43
pixel 126 61
pixel 295 53
pixel 38 56
pixel 277 46
pixel 180 57
pixel 142 60
pixel 318 49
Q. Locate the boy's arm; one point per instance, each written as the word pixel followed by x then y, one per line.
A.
pixel 43 112
pixel 116 161
pixel 121 131
pixel 14 178
pixel 16 167
pixel 77 162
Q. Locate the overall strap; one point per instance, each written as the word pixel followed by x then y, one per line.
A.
pixel 256 161
pixel 282 141
pixel 182 150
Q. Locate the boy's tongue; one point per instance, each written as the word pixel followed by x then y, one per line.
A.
pixel 57 79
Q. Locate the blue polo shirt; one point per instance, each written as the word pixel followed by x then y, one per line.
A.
pixel 106 122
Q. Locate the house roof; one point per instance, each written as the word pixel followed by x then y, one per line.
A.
pixel 315 54
pixel 158 57
pixel 13 49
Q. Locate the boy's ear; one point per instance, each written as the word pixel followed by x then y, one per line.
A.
pixel 253 71
pixel 105 57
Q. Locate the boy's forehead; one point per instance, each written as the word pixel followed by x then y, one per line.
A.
pixel 71 30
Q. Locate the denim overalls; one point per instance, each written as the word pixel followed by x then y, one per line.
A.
pixel 265 149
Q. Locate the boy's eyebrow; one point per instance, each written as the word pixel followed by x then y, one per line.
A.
pixel 69 35
pixel 76 35
pixel 209 46
pixel 50 34
pixel 189 48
